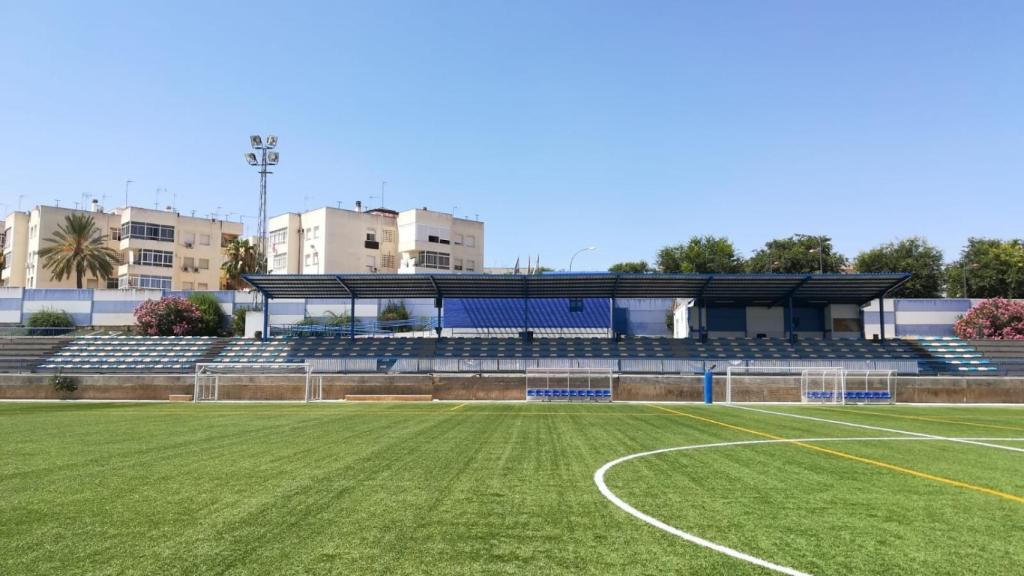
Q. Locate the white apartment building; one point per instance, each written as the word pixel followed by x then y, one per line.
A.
pixel 432 241
pixel 159 248
pixel 336 240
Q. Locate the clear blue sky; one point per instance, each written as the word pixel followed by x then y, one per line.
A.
pixel 627 125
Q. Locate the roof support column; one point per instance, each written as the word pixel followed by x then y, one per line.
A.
pixel 881 318
pixel 702 334
pixel 611 318
pixel 266 316
pixel 790 322
pixel 352 318
pixel 526 311
pixel 438 303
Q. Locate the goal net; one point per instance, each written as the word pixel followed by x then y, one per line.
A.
pixel 569 384
pixel 818 383
pixel 249 382
pixel 826 385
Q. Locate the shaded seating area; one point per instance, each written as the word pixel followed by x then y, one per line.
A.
pixel 150 354
pixel 297 349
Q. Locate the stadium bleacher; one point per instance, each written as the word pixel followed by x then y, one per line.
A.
pixel 152 354
pixel 951 355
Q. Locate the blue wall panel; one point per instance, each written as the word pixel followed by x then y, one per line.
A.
pixel 508 313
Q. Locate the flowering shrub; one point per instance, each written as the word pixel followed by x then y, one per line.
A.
pixel 169 316
pixel 997 319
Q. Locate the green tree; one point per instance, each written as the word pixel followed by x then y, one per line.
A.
pixel 210 314
pixel 914 255
pixel 78 247
pixel 990 268
pixel 239 258
pixel 701 254
pixel 797 254
pixel 638 267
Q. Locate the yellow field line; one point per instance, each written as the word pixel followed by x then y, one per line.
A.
pixel 854 458
pixel 457 407
pixel 929 419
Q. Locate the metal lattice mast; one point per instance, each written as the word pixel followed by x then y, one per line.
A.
pixel 268 157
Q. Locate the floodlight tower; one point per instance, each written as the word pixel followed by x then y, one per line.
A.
pixel 268 157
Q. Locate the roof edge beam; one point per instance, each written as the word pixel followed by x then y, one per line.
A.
pixel 341 282
pixel 793 291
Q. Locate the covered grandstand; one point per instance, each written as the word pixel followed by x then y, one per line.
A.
pixel 523 304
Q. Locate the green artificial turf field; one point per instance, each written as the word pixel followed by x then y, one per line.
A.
pixel 444 488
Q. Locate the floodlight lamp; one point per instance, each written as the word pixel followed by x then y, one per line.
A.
pixel 250 158
pixel 255 140
pixel 271 141
pixel 273 157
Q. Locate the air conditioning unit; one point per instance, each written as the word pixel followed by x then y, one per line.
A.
pixel 188 244
pixel 184 268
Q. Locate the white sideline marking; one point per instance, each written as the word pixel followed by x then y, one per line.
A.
pixel 731 552
pixel 881 429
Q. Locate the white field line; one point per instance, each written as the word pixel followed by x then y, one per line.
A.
pixel 692 538
pixel 881 429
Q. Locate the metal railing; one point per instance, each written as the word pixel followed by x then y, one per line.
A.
pixel 384 364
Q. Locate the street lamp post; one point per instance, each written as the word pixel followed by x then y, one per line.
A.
pixel 821 250
pixel 578 252
pixel 267 157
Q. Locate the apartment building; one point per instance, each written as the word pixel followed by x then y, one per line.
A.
pixel 159 248
pixel 377 240
pixel 430 241
pixel 333 240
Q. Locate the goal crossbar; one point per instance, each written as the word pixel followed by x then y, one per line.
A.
pixel 208 377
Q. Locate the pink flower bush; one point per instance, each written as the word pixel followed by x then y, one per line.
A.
pixel 997 319
pixel 169 316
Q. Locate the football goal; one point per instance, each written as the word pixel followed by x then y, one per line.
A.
pixel 242 382
pixel 569 384
pixel 826 379
pixel 826 385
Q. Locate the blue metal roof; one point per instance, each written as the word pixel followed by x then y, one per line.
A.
pixel 748 289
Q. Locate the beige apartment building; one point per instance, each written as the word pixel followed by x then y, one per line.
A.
pixel 337 240
pixel 159 248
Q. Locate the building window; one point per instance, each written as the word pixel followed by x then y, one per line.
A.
pixel 187 285
pixel 278 236
pixel 111 283
pixel 309 259
pixel 457 239
pixel 144 281
pixel 280 261
pixel 147 257
pixel 470 241
pixel 435 260
pixel 203 286
pixel 371 234
pixel 389 235
pixel 316 232
pixel 204 239
pixel 457 264
pixel 387 260
pixel 470 265
pixel 371 263
pixel 204 263
pixel 115 234
pixel 146 231
pixel 188 239
pixel 188 263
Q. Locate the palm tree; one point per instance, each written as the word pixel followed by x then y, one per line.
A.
pixel 78 247
pixel 239 258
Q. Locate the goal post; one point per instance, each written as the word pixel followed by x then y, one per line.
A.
pixel 817 382
pixel 255 381
pixel 826 384
pixel 570 384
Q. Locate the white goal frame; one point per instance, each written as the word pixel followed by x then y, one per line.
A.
pixel 208 378
pixel 827 378
pixel 561 379
pixel 832 384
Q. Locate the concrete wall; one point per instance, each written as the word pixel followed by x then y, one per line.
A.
pixel 495 387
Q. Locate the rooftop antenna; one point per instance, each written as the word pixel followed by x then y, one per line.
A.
pixel 20 196
pixel 56 202
pixel 383 183
pixel 126 183
pixel 339 204
pixel 156 199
